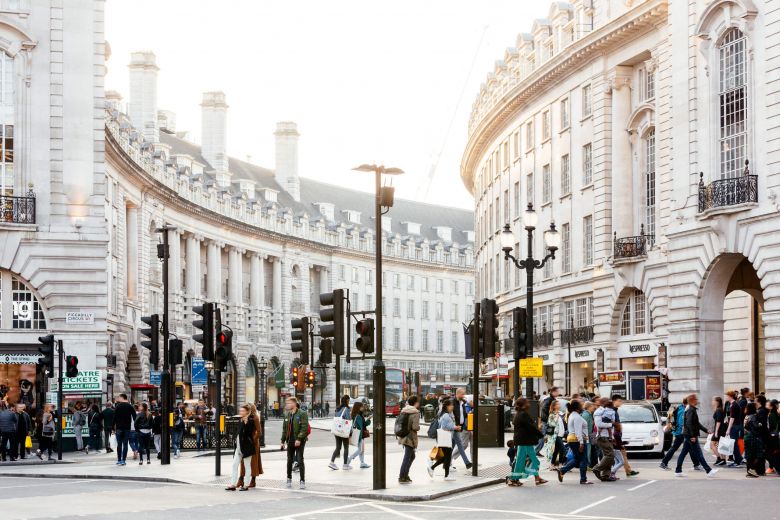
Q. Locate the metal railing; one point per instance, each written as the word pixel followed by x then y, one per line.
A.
pixel 543 339
pixel 18 210
pixel 630 247
pixel 728 192
pixel 577 335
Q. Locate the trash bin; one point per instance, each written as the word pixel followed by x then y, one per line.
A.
pixel 429 412
pixel 491 426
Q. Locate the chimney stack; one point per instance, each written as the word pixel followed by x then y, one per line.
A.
pixel 142 107
pixel 214 134
pixel 287 158
pixel 166 120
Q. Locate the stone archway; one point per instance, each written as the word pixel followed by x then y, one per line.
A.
pixel 134 373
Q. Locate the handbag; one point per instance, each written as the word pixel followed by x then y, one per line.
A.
pixel 432 428
pixel 28 442
pixel 708 444
pixel 354 438
pixel 726 446
pixel 112 442
pixel 341 427
pixel 436 453
pixel 444 438
pixel 366 433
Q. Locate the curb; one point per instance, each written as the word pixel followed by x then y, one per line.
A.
pixel 40 463
pixel 421 498
pixel 96 477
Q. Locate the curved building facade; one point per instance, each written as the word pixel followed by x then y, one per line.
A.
pixel 644 130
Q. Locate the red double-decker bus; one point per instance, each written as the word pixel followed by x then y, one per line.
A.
pixel 396 390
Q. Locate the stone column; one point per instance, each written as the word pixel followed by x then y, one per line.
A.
pixel 174 262
pixel 324 281
pixel 234 276
pixel 622 174
pixel 256 282
pixel 192 260
pixel 214 275
pixel 131 225
pixel 771 322
pixel 277 289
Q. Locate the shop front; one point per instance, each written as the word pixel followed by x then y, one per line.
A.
pixel 547 381
pixel 20 381
pixel 638 355
pixel 86 389
pixel 580 369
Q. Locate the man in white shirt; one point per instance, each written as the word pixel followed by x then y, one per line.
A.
pixel 461 435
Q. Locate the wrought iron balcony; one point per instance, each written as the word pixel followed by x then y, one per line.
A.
pixel 577 335
pixel 630 247
pixel 728 192
pixel 18 210
pixel 543 339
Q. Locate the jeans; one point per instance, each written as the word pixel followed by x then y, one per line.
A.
pixel 122 437
pixel 144 441
pixel 406 464
pixel 736 433
pixel 132 437
pixel 676 443
pixel 200 436
pixel 458 438
pixel 295 454
pixel 697 456
pixel 619 461
pixel 445 461
pixel 340 442
pixel 45 444
pixel 176 437
pixel 21 438
pixel 358 453
pixel 238 458
pixel 605 466
pixel 79 439
pixel 107 438
pixel 157 442
pixel 94 439
pixel 8 445
pixel 580 460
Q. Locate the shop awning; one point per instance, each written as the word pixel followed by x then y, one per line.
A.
pixel 491 375
pixel 142 386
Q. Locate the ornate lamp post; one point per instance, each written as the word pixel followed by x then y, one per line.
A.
pixel 262 365
pixel 552 242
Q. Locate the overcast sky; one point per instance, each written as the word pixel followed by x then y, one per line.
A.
pixel 366 81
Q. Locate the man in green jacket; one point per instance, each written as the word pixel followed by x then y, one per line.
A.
pixel 295 431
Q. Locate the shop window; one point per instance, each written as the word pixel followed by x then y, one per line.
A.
pixel 27 311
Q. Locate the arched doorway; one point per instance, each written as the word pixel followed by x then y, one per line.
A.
pixel 252 381
pixel 133 370
pixel 731 343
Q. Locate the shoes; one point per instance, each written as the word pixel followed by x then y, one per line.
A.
pixel 735 465
pixel 289 483
pixel 680 474
pixel 363 465
pixel 39 454
pixel 752 473
pixel 230 488
pixel 611 479
pixel 346 467
pixel 430 468
pixel 697 468
pixel 141 463
pixel 333 466
pixel 86 450
pixel 540 482
pixel 449 478
pixel 469 465
pixel 720 462
pixel 302 485
pixel 453 469
pixel 711 473
pixel 148 461
pixel 404 480
pixel 632 473
pixel 586 483
pixel 663 466
pixel 119 463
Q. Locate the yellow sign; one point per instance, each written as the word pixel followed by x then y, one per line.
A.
pixel 222 424
pixel 170 419
pixel 531 367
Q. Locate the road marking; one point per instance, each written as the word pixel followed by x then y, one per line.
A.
pixel 641 485
pixel 397 513
pixel 594 504
pixel 318 511
pixel 71 482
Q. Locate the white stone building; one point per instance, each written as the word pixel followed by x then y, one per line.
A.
pixel 629 124
pixel 86 180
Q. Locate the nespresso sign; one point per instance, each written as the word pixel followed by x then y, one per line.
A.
pixel 627 350
pixel 639 348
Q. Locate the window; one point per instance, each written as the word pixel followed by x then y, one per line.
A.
pixel 424 340
pixel 454 312
pixel 546 184
pixel 439 341
pixel 587 164
pixel 505 149
pixel 733 103
pixel 517 271
pixel 410 282
pixel 566 248
pixel 369 302
pixel 568 315
pixel 635 316
pixel 529 188
pixel 396 338
pixel 586 101
pixel 454 344
pixel 410 340
pixel 546 123
pixel 27 312
pixel 583 316
pixel 384 306
pixel 506 274
pixel 547 271
pixel 507 216
pixel 649 84
pixel 439 285
pixel 7 103
pixel 564 113
pixel 469 288
pixel 369 276
pixel 396 280
pixel 650 185
pixel 517 199
pixel 342 275
pixel 498 216
pixel 396 307
pixel 425 309
pixel 516 144
pixel 439 311
pixel 529 135
pixel 587 240
pixel 454 287
pixel 425 283
pixel 355 276
pixel 410 309
pixel 565 175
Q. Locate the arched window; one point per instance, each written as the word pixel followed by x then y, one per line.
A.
pixel 26 310
pixel 732 101
pixel 649 161
pixel 635 319
pixel 7 102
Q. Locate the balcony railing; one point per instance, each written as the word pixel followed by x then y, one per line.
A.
pixel 577 335
pixel 630 247
pixel 18 210
pixel 728 192
pixel 543 339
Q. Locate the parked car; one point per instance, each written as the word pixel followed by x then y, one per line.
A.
pixel 642 427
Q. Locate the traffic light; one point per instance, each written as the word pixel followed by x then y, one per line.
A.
pixel 519 325
pixel 490 327
pixel 206 324
pixel 295 375
pixel 326 352
pixel 311 378
pixel 153 333
pixel 300 336
pixel 332 319
pixel 365 341
pixel 71 366
pixel 47 361
pixel 175 347
pixel 224 349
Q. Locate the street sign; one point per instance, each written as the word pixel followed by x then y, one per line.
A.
pixel 531 367
pixel 200 375
pixel 155 377
pixel 79 318
pixel 87 382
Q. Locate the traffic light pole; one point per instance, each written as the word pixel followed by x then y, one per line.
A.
pixel 217 424
pixel 60 411
pixel 475 393
pixel 165 379
pixel 379 366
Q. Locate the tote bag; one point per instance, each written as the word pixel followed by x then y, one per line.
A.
pixel 708 444
pixel 112 442
pixel 354 437
pixel 341 427
pixel 444 438
pixel 726 446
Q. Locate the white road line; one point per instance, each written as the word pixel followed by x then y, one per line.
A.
pixel 641 485
pixel 594 504
pixel 317 511
pixel 52 483
pixel 397 513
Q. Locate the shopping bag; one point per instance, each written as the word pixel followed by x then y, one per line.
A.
pixel 341 427
pixel 708 444
pixel 28 442
pixel 726 446
pixel 112 441
pixel 436 453
pixel 354 438
pixel 444 438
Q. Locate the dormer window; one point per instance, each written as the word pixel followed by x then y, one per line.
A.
pixel 444 233
pixel 327 210
pixel 352 216
pixel 387 223
pixel 412 228
pixel 270 195
pixel 469 236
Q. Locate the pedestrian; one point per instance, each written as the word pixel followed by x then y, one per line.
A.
pixel 525 438
pixel 94 427
pixel 23 430
pixel 462 436
pixel 9 423
pixel 124 414
pixel 754 446
pixel 256 466
pixel 719 430
pixel 691 429
pixel 511 453
pixel 592 451
pixel 554 448
pixel 617 402
pixel 446 423
pixel 179 414
pixel 79 420
pixel 544 415
pixel 604 418
pixel 773 425
pixel 342 412
pixel 407 436
pixel 295 432
pixel 108 425
pixel 577 439
pixel 245 446
pixel 156 423
pixel 327 409
pixel 736 425
pixel 675 419
pixel 359 424
pixel 143 429
pixel 200 425
pixel 46 436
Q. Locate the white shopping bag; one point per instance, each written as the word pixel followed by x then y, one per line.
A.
pixel 354 438
pixel 726 446
pixel 112 441
pixel 341 427
pixel 708 444
pixel 444 438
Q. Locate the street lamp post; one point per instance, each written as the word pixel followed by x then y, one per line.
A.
pixel 384 198
pixel 552 242
pixel 262 365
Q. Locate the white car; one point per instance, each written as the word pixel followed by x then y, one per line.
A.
pixel 642 427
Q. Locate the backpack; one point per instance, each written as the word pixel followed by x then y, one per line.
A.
pixel 78 418
pixel 671 417
pixel 47 430
pixel 401 427
pixel 433 427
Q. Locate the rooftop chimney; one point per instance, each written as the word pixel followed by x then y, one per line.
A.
pixel 142 107
pixel 166 120
pixel 214 134
pixel 287 158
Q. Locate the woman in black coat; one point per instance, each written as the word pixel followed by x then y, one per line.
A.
pixel 526 435
pixel 245 446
